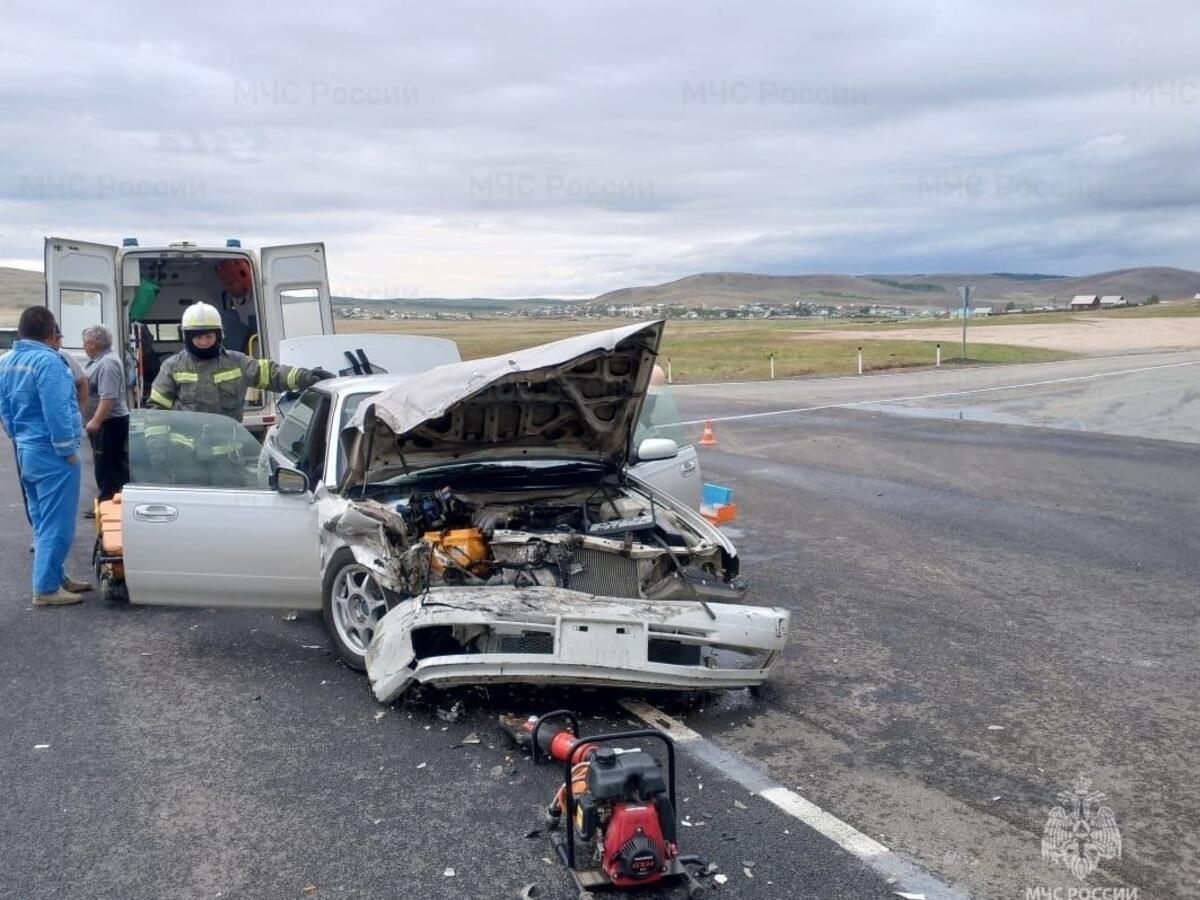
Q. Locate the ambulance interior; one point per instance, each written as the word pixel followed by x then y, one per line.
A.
pixel 166 286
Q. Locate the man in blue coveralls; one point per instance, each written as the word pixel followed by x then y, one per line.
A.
pixel 40 414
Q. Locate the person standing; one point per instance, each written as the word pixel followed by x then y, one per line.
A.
pixel 205 377
pixel 77 374
pixel 107 422
pixel 40 413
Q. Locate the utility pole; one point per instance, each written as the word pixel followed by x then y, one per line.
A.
pixel 965 291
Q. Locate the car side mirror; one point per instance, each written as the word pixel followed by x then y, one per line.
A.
pixel 657 448
pixel 289 481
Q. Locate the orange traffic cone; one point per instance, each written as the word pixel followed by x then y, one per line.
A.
pixel 708 439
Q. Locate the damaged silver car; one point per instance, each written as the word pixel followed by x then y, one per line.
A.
pixel 477 523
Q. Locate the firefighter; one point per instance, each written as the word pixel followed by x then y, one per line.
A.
pixel 205 377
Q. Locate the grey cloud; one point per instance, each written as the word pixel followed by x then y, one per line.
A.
pixel 571 148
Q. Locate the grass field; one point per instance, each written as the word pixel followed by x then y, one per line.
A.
pixel 714 351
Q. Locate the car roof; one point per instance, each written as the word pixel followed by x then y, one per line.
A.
pixel 357 384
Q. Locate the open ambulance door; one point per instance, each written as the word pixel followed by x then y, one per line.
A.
pixel 295 293
pixel 81 288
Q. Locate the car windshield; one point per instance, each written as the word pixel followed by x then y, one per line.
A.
pixel 171 447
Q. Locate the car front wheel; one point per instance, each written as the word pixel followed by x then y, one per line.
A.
pixel 353 605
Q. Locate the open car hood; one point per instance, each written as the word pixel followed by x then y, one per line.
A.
pixel 577 398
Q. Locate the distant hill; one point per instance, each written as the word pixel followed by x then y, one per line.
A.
pixel 476 305
pixel 933 290
pixel 19 288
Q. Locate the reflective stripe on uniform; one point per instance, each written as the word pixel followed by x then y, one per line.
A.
pixel 160 399
pixel 223 449
pixel 183 440
pixel 227 375
pixel 264 374
pixel 293 379
pixel 156 430
pixel 185 376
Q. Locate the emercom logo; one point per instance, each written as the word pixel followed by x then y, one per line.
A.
pixel 1080 831
pixel 1080 893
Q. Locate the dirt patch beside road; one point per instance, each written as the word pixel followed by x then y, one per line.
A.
pixel 1093 336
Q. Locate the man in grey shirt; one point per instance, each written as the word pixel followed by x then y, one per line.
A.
pixel 107 422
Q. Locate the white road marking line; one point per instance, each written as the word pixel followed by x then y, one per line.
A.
pixel 939 394
pixel 907 873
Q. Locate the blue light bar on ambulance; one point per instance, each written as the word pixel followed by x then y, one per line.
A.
pixel 233 242
pixel 129 242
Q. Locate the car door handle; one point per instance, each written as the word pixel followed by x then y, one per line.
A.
pixel 155 512
pixel 687 467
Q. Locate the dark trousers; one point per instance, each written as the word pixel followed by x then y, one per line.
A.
pixel 110 455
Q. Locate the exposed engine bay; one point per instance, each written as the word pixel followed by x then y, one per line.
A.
pixel 606 540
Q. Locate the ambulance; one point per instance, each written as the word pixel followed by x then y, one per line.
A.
pixel 140 293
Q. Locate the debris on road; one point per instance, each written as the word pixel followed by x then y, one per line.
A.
pixel 309 888
pixel 449 872
pixel 422 765
pixel 720 879
pixel 740 805
pixel 530 891
pixel 471 738
pixel 453 714
pixel 41 746
pixel 906 896
pixel 379 715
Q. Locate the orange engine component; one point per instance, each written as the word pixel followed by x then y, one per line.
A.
pixel 236 276
pixel 465 547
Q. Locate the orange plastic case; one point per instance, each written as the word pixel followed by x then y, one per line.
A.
pixel 465 546
pixel 108 523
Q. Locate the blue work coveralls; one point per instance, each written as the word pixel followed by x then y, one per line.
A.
pixel 41 415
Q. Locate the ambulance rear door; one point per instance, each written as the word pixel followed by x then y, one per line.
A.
pixel 81 287
pixel 296 300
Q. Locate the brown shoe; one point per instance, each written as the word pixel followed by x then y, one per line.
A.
pixel 75 587
pixel 58 598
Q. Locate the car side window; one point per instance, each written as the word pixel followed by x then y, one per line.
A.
pixel 291 438
pixel 300 437
pixel 660 417
pixel 192 449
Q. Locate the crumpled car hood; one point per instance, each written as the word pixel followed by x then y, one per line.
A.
pixel 577 398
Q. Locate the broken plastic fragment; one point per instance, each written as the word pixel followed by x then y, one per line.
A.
pixel 720 879
pixel 448 872
pixel 290 616
pixel 379 715
pixel 906 896
pixel 740 805
pixel 309 888
pixel 995 728
pixel 471 738
pixel 421 765
pixel 746 871
pixel 41 746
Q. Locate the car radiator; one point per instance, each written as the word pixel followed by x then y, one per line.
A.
pixel 592 571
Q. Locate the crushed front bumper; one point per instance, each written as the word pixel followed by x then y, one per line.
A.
pixel 545 635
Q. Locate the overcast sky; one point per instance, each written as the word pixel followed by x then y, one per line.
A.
pixel 563 149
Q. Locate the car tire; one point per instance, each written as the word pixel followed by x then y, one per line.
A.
pixel 352 604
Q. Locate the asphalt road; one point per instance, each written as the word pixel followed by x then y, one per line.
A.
pixel 981 612
pixel 204 754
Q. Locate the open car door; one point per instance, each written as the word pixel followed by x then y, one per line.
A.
pixel 295 293
pixel 81 287
pixel 201 526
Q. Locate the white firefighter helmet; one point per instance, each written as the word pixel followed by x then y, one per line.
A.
pixel 201 317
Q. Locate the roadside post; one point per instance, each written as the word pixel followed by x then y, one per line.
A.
pixel 938 364
pixel 860 360
pixel 669 381
pixel 965 291
pixel 772 357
